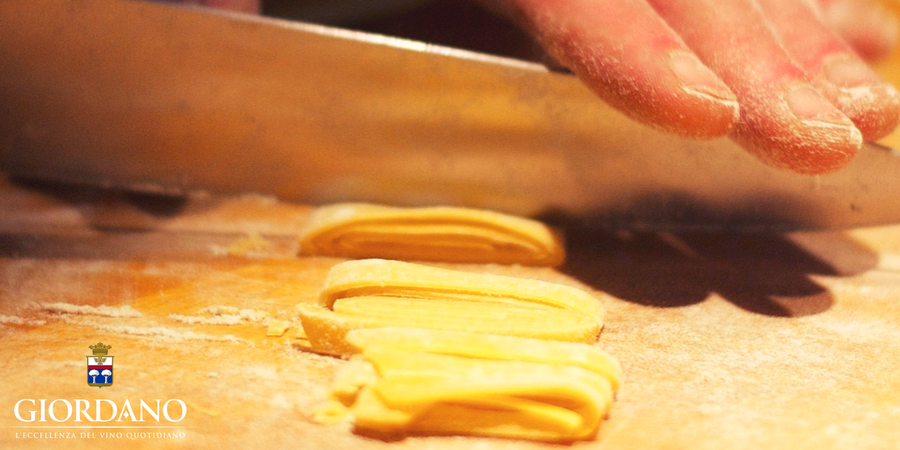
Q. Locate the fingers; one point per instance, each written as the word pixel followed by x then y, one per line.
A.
pixel 784 120
pixel 628 55
pixel 864 24
pixel 872 104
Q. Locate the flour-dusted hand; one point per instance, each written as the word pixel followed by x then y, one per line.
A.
pixel 775 75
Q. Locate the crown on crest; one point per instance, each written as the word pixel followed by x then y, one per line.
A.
pixel 100 348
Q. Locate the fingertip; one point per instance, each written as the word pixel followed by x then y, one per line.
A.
pixel 689 100
pixel 871 103
pixel 808 106
pixel 709 102
pixel 701 117
pixel 804 134
pixel 816 151
pixel 875 110
pixel 697 79
pixel 879 120
pixel 833 66
pixel 684 111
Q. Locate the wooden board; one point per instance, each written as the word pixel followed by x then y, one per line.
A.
pixel 727 340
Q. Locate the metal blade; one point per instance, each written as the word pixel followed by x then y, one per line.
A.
pixel 167 99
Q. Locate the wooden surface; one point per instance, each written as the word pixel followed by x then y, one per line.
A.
pixel 726 340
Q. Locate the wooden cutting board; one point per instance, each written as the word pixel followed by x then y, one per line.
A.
pixel 777 341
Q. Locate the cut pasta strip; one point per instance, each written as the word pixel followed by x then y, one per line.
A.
pixel 327 330
pixel 450 234
pixel 395 391
pixel 483 346
pixel 379 277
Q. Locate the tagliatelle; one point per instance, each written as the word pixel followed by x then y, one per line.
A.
pixel 468 383
pixel 438 351
pixel 377 293
pixel 489 347
pixel 379 277
pixel 327 330
pixel 450 234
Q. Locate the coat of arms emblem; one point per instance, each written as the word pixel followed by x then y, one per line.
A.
pixel 100 366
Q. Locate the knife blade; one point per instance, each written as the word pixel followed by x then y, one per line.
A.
pixel 169 99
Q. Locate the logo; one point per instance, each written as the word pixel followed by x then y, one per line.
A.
pixel 127 418
pixel 100 366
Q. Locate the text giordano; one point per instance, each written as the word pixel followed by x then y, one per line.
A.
pixel 105 410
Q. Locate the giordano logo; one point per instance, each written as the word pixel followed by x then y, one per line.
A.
pixel 135 414
pixel 100 366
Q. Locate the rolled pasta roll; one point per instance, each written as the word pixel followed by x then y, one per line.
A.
pixel 440 233
pixel 326 330
pixel 411 392
pixel 386 278
pixel 481 346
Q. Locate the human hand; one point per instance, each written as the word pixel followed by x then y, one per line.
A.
pixel 786 79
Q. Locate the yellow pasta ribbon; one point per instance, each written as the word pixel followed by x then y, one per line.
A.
pixel 379 277
pixel 441 233
pixel 482 346
pixel 475 384
pixel 327 330
pixel 382 293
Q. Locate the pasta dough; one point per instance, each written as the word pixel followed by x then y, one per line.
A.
pixel 451 234
pixel 436 382
pixel 382 293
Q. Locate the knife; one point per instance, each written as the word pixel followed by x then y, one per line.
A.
pixel 169 99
